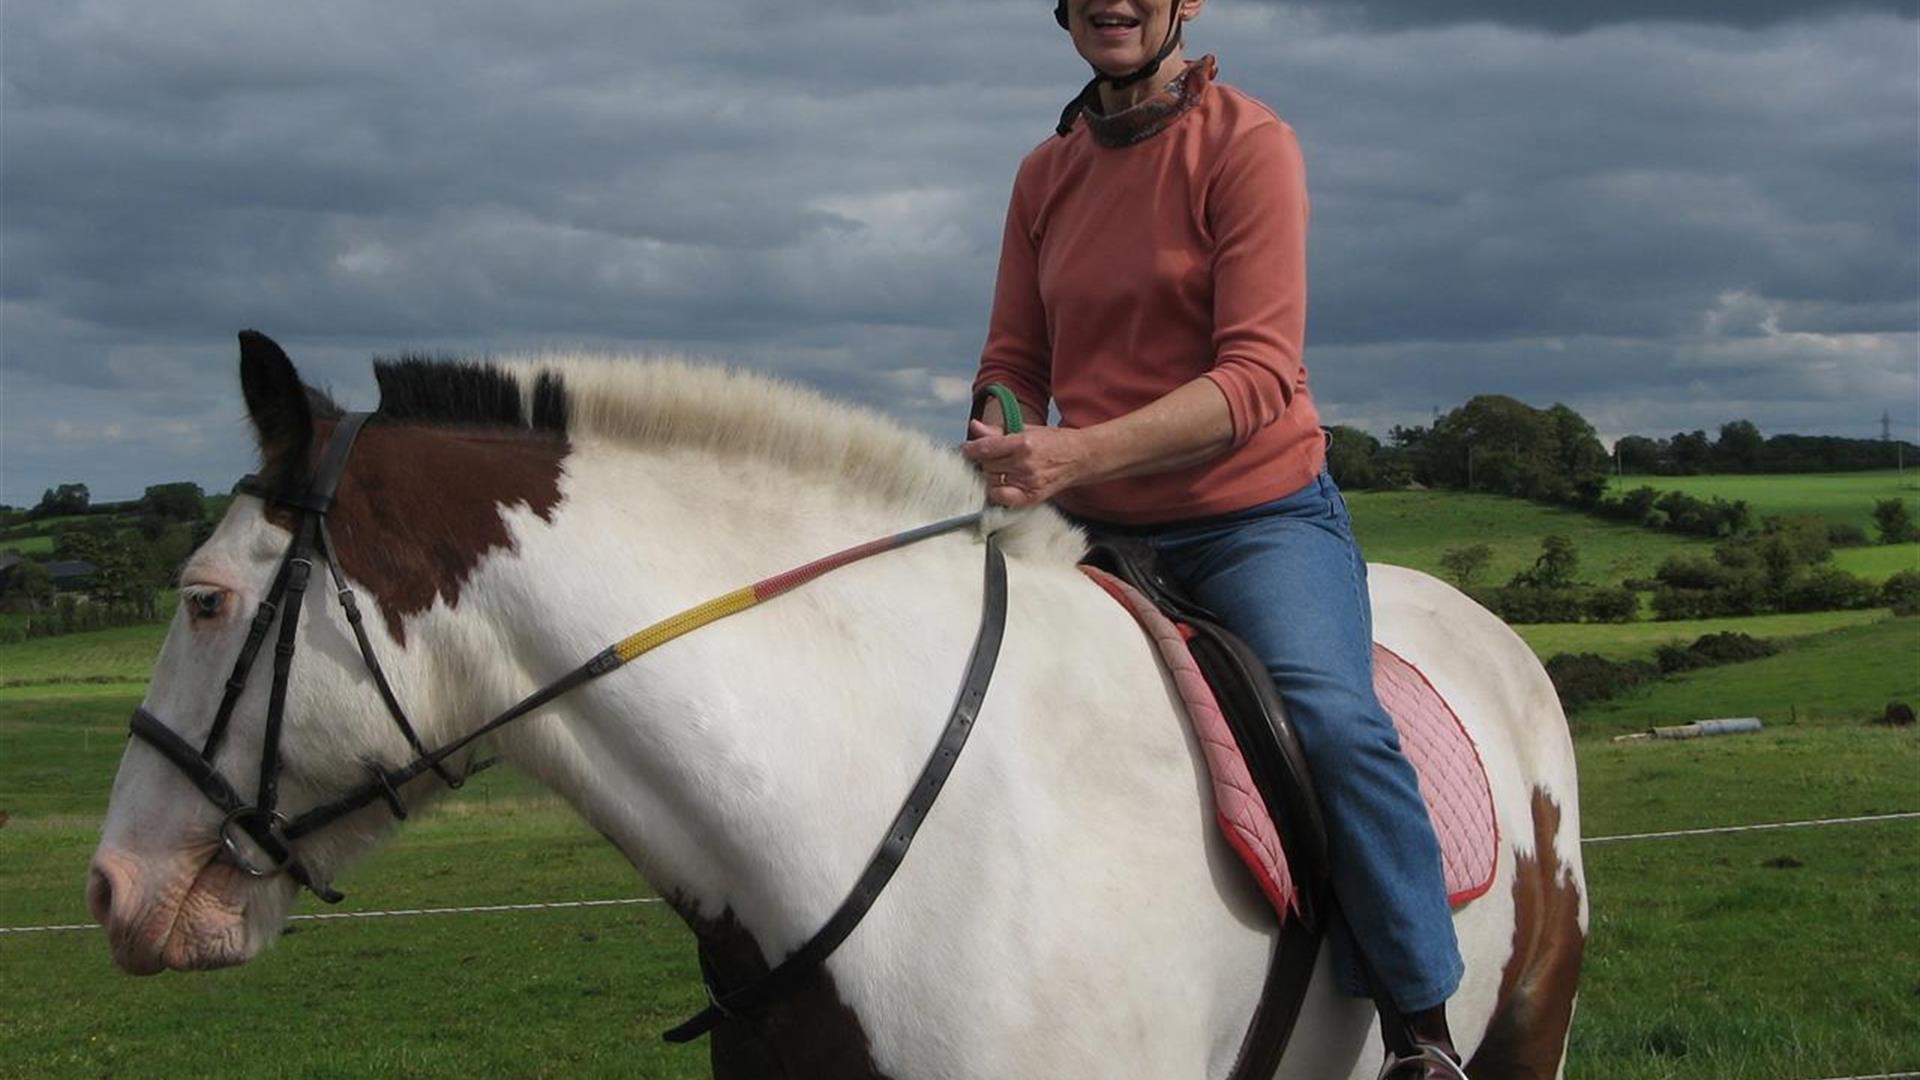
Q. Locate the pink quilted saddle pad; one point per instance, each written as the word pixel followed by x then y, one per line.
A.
pixel 1452 778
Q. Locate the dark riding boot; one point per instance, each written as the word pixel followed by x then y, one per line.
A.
pixel 1430 1036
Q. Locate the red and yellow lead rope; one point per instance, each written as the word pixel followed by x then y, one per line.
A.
pixel 740 600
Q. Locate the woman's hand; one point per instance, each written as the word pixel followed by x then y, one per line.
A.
pixel 1031 467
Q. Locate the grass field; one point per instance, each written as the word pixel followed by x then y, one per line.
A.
pixel 1879 562
pixel 1844 676
pixel 1776 956
pixel 123 654
pixel 40 546
pixel 1843 497
pixel 1638 640
pixel 1415 528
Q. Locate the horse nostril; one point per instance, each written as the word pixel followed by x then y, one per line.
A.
pixel 99 894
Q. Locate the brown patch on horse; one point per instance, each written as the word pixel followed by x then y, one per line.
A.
pixel 809 1034
pixel 1528 1035
pixel 421 507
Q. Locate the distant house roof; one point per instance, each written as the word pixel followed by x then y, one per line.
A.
pixel 69 569
pixel 8 560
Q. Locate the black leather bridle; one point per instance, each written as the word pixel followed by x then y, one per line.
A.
pixel 261 820
pixel 274 834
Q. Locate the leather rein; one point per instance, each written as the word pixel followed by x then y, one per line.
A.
pixel 274 834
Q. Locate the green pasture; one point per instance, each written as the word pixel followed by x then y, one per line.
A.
pixel 37 545
pixel 1638 640
pixel 1843 676
pixel 1777 955
pixel 1879 562
pixel 1843 497
pixel 122 654
pixel 1415 528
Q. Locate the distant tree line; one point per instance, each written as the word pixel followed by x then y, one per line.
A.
pixel 125 557
pixel 1785 565
pixel 1499 445
pixel 63 500
pixel 1741 449
pixel 1493 443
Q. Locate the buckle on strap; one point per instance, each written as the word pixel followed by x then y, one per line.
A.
pixel 383 785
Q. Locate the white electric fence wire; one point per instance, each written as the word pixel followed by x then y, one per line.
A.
pixel 1750 828
pixel 336 916
pixel 559 905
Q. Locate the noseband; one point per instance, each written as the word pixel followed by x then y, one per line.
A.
pixel 274 834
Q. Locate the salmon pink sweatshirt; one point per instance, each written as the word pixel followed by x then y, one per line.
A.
pixel 1150 248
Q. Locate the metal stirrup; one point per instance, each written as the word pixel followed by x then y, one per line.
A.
pixel 1422 1055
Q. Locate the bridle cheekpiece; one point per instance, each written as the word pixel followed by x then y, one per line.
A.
pixel 260 821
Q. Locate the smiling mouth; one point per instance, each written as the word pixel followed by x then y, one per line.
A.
pixel 1113 22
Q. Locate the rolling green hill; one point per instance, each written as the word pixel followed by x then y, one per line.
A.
pixel 1880 562
pixel 1842 497
pixel 1845 674
pixel 1415 528
pixel 1638 640
pixel 39 546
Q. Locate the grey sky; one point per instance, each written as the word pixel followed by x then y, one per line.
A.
pixel 1666 215
pixel 1574 16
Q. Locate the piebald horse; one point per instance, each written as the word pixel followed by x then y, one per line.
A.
pixel 1069 909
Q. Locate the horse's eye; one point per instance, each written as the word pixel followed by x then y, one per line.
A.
pixel 205 604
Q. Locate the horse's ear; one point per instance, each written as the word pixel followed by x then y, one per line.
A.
pixel 277 402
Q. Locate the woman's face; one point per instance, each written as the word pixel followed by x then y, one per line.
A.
pixel 1118 36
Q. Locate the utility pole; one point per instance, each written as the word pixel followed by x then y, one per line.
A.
pixel 1886 426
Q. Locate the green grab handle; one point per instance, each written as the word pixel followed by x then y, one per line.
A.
pixel 1009 407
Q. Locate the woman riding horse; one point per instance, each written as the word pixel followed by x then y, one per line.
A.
pixel 1152 284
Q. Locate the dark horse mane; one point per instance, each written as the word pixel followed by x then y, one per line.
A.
pixel 443 390
pixel 432 390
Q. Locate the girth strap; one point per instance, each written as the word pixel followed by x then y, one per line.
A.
pixel 803 961
pixel 1289 975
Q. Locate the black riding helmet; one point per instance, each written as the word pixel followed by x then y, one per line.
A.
pixel 1143 72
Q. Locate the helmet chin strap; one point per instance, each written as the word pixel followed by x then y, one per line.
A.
pixel 1146 70
pixel 1090 93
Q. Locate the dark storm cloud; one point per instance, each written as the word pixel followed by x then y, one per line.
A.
pixel 1651 218
pixel 1574 17
pixel 1544 194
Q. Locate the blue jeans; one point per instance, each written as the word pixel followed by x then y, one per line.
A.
pixel 1287 577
